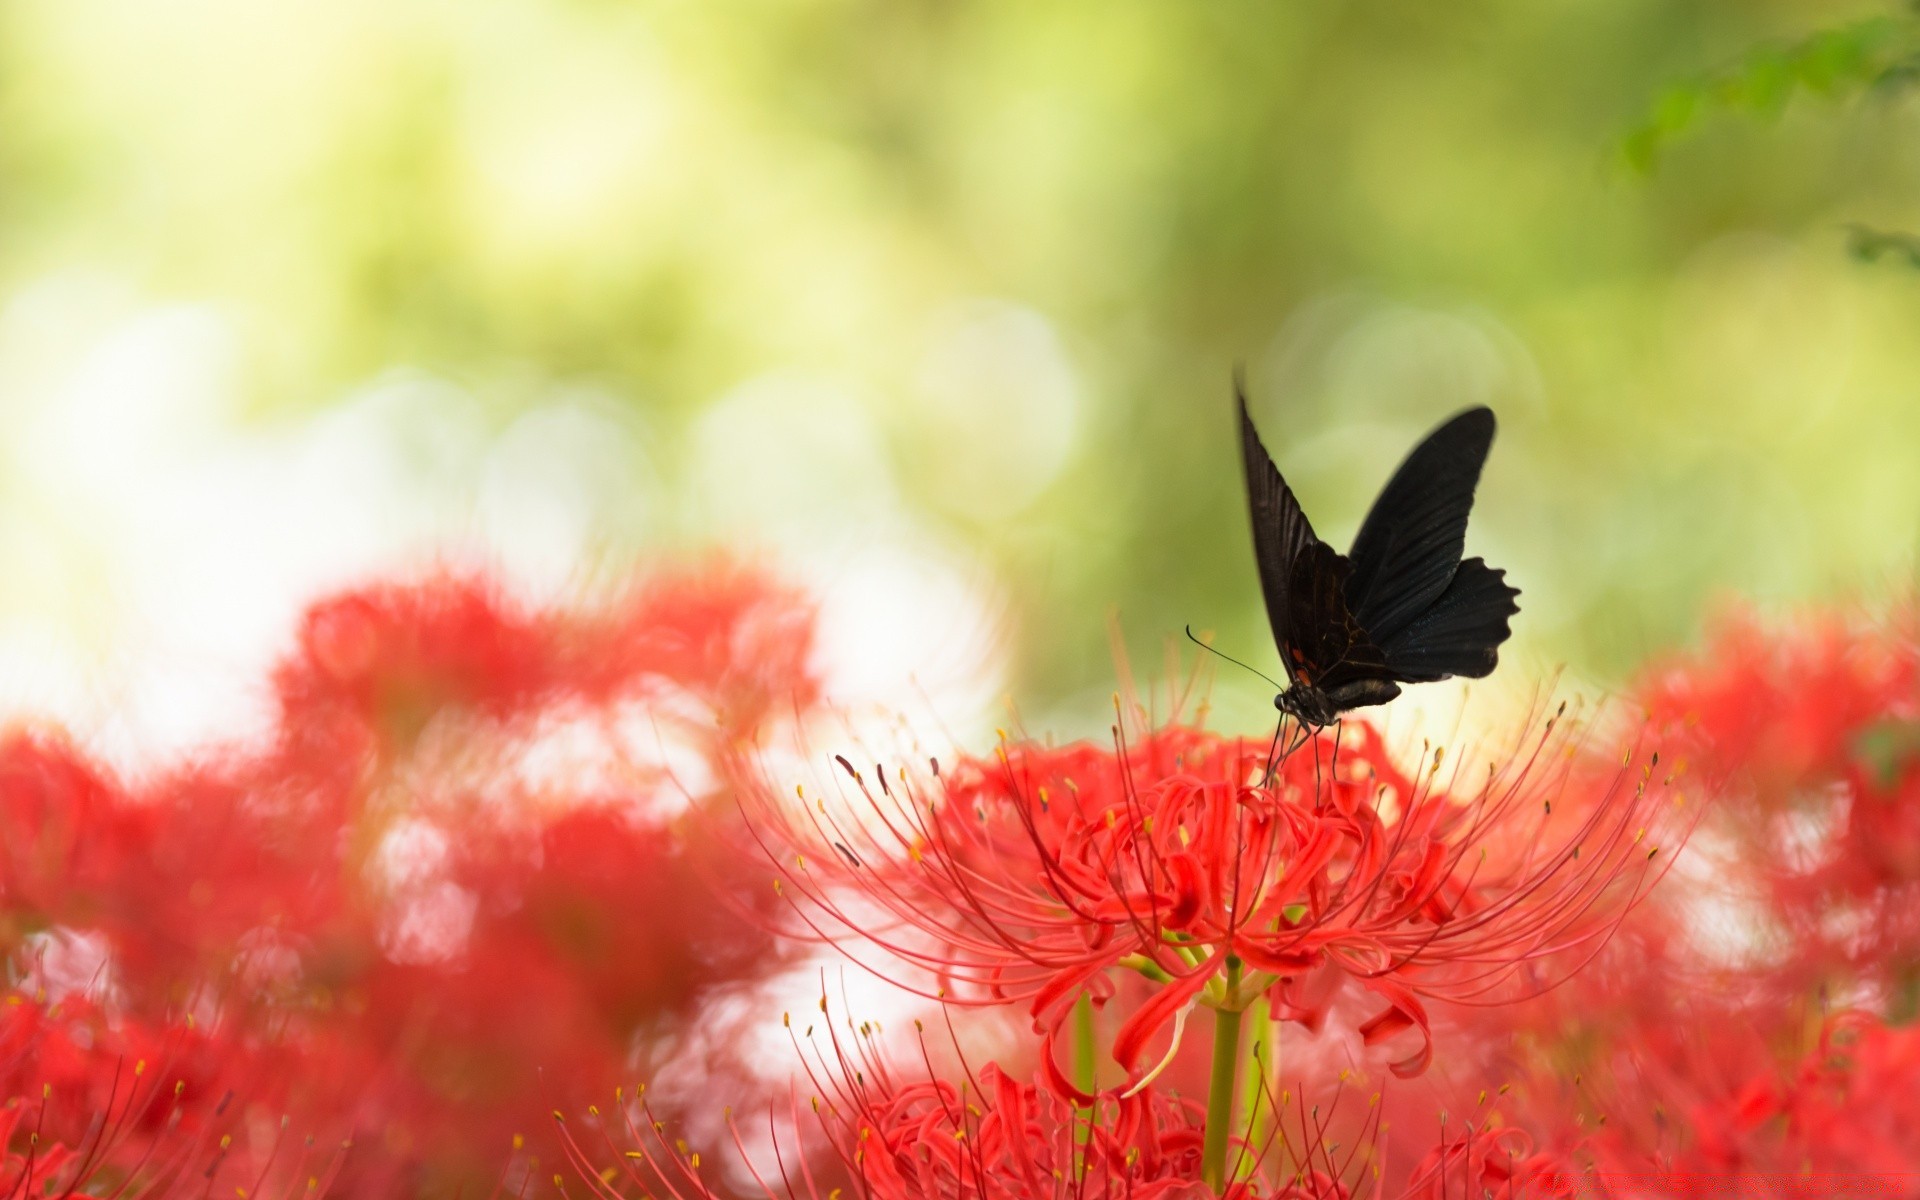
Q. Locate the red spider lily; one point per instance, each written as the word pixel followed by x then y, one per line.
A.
pixel 1814 727
pixel 455 882
pixel 1781 702
pixel 107 1107
pixel 1702 1096
pixel 1851 1104
pixel 1032 875
pixel 991 1136
pixel 1491 1162
pixel 1857 1097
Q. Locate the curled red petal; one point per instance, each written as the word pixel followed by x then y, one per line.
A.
pixel 1056 1079
pixel 1305 999
pixel 1051 1002
pixel 1146 1021
pixel 1404 1011
pixel 1189 887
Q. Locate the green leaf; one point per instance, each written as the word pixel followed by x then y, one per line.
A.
pixel 1884 750
pixel 1877 53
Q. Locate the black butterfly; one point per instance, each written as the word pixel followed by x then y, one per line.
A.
pixel 1401 606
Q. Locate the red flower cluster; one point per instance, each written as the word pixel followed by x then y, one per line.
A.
pixel 1194 861
pixel 1748 1027
pixel 100 1106
pixel 482 864
pixel 992 1136
pixel 1722 1115
pixel 1813 732
pixel 492 861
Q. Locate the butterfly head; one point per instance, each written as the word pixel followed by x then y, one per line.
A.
pixel 1307 704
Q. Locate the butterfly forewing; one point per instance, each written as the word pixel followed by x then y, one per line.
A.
pixel 1322 632
pixel 1280 534
pixel 1411 542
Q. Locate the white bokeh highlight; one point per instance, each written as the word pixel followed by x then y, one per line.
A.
pixel 162 538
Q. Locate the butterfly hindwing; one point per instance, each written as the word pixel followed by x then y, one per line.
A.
pixel 1407 550
pixel 1460 633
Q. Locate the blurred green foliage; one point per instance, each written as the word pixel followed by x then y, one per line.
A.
pixel 1386 210
pixel 1879 52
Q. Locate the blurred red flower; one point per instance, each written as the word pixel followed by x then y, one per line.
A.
pixel 1810 729
pixel 484 862
pixel 889 1135
pixel 100 1105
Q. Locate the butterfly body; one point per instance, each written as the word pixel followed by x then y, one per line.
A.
pixel 1403 605
pixel 1311 706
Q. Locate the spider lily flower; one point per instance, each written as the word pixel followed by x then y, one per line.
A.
pixel 1194 860
pixel 101 1106
pixel 1694 1099
pixel 1812 729
pixel 452 822
pixel 1491 1163
pixel 1849 1105
pixel 893 1135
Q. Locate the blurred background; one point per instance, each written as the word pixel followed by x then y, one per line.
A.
pixel 936 304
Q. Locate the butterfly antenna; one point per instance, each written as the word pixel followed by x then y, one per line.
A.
pixel 1230 658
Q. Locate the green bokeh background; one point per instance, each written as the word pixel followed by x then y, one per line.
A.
pixel 1031 240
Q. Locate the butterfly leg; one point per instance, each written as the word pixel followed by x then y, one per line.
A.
pixel 1266 776
pixel 1313 737
pixel 1333 772
pixel 1293 745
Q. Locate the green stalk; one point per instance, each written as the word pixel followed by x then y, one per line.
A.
pixel 1226 1061
pixel 1262 1091
pixel 1905 1003
pixel 1085 1075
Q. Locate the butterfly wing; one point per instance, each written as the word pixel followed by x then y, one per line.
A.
pixel 1409 547
pixel 1460 633
pixel 1303 580
pixel 1328 648
pixel 1281 536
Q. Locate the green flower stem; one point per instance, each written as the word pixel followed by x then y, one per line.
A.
pixel 1220 1089
pixel 1085 1045
pixel 1146 967
pixel 1903 1005
pixel 1262 1091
